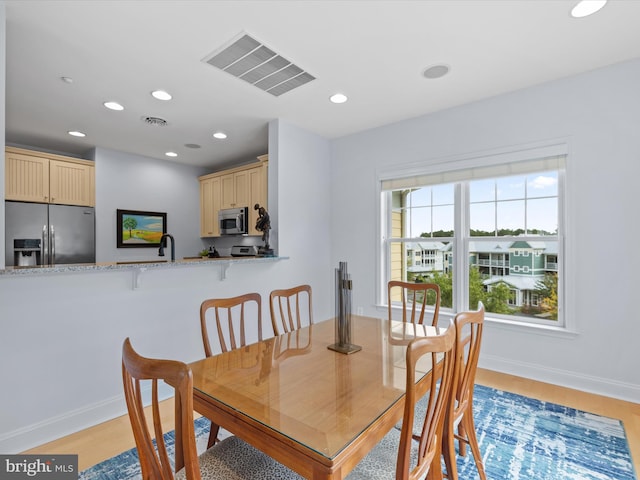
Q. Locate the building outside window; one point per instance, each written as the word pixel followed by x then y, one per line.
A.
pixel 490 236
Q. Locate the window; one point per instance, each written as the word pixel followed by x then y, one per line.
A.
pixel 475 229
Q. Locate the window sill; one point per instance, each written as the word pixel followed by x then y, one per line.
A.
pixel 549 330
pixel 512 325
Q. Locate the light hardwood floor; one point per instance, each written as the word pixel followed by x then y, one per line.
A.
pixel 103 441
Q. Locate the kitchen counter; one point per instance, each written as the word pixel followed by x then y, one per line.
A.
pixel 137 267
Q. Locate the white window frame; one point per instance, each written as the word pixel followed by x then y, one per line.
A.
pixel 448 168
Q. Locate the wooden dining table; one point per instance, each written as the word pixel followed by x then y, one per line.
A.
pixel 313 409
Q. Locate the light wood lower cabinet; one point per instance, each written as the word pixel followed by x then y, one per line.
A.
pixel 235 188
pixel 32 176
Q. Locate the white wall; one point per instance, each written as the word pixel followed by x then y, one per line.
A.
pixel 597 115
pixel 3 47
pixel 62 334
pixel 132 182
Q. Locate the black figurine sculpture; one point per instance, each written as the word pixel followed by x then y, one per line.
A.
pixel 263 224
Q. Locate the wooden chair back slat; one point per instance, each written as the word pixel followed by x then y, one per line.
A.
pixel 287 308
pixel 414 298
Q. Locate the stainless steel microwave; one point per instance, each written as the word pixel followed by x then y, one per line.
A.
pixel 234 221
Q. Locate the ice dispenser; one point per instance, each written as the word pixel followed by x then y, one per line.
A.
pixel 26 252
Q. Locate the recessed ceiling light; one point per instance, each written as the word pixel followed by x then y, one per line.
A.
pixel 585 8
pixel 66 79
pixel 113 106
pixel 220 135
pixel 171 154
pixel 338 98
pixel 161 95
pixel 192 145
pixel 75 133
pixel 436 71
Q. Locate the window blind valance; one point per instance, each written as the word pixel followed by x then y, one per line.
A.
pixel 555 162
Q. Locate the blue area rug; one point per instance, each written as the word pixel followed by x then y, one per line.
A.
pixel 520 439
pixel 525 439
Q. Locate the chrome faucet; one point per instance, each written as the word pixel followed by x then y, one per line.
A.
pixel 162 245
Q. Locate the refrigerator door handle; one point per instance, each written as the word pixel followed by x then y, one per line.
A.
pixel 44 247
pixel 53 246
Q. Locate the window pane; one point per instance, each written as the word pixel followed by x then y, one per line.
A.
pixel 510 217
pixel 427 210
pixel 396 258
pixel 420 221
pixel 482 219
pixel 443 218
pixel 482 190
pixel 431 262
pixel 509 188
pixel 443 194
pixel 419 197
pixel 542 185
pixel 514 278
pixel 542 216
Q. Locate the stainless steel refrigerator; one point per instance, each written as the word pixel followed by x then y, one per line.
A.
pixel 42 234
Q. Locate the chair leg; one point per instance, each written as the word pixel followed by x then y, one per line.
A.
pixel 462 446
pixel 470 429
pixel 213 435
pixel 435 470
pixel 449 451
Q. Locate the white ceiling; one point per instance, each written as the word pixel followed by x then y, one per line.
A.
pixel 373 51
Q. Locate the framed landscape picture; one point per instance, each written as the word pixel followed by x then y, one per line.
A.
pixel 136 229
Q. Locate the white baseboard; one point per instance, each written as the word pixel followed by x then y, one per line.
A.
pixel 37 434
pixel 45 431
pixel 586 383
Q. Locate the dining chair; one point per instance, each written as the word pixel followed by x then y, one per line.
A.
pixel 287 307
pixel 230 458
pixel 231 327
pixel 414 296
pixel 397 455
pixel 460 415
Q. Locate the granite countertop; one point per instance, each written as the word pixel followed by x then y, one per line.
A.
pixel 133 265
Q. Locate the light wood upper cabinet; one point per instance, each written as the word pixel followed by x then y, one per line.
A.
pixel 257 181
pixel 238 187
pixel 26 178
pixel 235 189
pixel 71 183
pixel 46 178
pixel 210 203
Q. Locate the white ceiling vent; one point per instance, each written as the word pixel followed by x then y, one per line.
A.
pixel 155 121
pixel 249 60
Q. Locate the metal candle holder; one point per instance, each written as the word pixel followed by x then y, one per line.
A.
pixel 343 312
